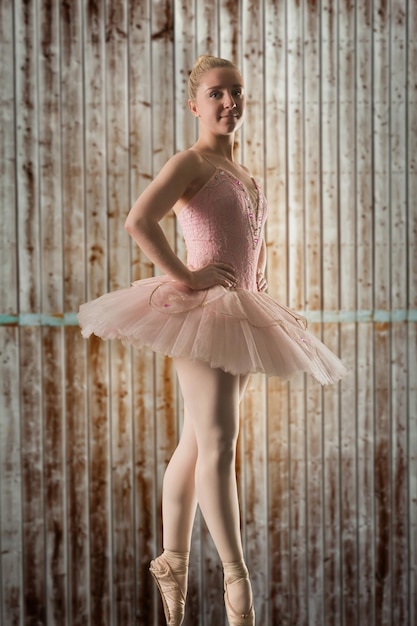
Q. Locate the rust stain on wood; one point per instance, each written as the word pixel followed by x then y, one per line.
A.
pixel 77 472
pixel 99 484
pixel 165 22
pixel 53 469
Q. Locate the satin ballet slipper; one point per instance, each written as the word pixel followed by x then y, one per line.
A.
pixel 235 618
pixel 173 598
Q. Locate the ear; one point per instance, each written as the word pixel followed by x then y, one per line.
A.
pixel 193 108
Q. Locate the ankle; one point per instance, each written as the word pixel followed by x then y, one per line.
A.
pixel 178 561
pixel 235 571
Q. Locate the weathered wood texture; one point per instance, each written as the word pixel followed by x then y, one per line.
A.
pixel 93 102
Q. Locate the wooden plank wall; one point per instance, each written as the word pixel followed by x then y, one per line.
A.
pixel 93 99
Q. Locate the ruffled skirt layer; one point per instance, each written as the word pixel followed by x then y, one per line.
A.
pixel 236 330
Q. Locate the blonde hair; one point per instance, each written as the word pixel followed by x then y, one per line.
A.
pixel 203 64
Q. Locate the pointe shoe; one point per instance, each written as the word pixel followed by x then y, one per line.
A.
pixel 173 598
pixel 235 618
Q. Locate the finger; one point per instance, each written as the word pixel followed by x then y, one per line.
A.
pixel 230 277
pixel 228 281
pixel 225 267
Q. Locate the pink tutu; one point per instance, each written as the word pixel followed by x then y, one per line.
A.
pixel 237 330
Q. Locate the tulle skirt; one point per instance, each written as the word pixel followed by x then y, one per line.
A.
pixel 237 330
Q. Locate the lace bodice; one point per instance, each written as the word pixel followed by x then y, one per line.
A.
pixel 223 224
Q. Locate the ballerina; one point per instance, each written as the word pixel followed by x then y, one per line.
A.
pixel 213 316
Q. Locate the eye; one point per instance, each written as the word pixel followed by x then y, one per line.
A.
pixel 238 93
pixel 215 94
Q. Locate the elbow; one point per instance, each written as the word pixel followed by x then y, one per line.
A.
pixel 129 225
pixel 133 226
pixel 139 227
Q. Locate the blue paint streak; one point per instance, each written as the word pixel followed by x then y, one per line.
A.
pixel 39 319
pixel 324 317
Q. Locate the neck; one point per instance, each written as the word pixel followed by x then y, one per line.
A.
pixel 220 146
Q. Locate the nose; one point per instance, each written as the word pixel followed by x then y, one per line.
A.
pixel 229 102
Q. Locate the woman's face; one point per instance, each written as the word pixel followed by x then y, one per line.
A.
pixel 220 101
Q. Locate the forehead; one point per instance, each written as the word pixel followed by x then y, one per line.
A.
pixel 221 77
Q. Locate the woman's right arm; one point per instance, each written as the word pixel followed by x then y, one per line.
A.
pixel 153 204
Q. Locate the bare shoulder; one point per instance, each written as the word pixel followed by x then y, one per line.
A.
pixel 184 165
pixel 191 172
pixel 168 187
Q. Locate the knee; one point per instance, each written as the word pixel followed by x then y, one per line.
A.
pixel 217 454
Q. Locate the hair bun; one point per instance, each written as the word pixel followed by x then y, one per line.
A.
pixel 203 64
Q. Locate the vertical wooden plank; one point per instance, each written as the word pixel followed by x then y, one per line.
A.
pixel 206 28
pixel 99 482
pixel 230 31
pixel 365 464
pixel 412 463
pixel 400 520
pixel 54 476
pixel 382 474
pixel 26 153
pixel 11 605
pixel 163 141
pixel 252 68
pixel 8 195
pixel 146 511
pixel 73 166
pixel 254 502
pixel 96 270
pixel 254 433
pixel 296 260
pixel 382 468
pixel 298 582
pixel 411 122
pixel 121 481
pixel 76 411
pixel 330 302
pixel 50 159
pixel 33 508
pixel 399 301
pixel 364 299
pixel 276 234
pixel 52 304
pixel 184 28
pixel 230 45
pixel 26 36
pixel 123 588
pixel 348 299
pixel 279 531
pixel 276 148
pixel 313 289
pixel 185 123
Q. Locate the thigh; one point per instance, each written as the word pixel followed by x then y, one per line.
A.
pixel 211 398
